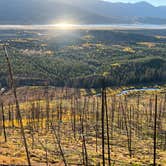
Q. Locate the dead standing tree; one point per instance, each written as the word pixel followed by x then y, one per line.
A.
pixel 107 126
pixel 3 121
pixel 104 114
pixel 102 122
pixel 155 131
pixel 12 84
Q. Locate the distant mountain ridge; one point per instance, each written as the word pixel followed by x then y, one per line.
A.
pixel 80 11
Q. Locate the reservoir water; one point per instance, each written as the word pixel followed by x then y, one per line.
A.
pixel 85 26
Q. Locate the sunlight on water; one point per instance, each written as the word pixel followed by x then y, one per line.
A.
pixel 63 25
pixel 69 26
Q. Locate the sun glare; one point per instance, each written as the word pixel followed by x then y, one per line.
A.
pixel 64 25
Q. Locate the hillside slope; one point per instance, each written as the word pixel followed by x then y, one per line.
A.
pixel 81 12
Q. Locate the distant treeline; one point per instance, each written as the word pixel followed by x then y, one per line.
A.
pixel 150 72
pixel 128 74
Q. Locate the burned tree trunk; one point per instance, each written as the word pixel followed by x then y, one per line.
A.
pixel 155 132
pixel 17 104
pixel 3 121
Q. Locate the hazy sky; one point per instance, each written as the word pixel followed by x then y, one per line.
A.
pixel 154 2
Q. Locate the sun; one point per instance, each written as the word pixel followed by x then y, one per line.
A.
pixel 64 25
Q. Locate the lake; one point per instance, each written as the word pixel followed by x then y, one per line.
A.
pixel 83 27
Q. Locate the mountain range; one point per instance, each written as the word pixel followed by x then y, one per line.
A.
pixel 80 12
